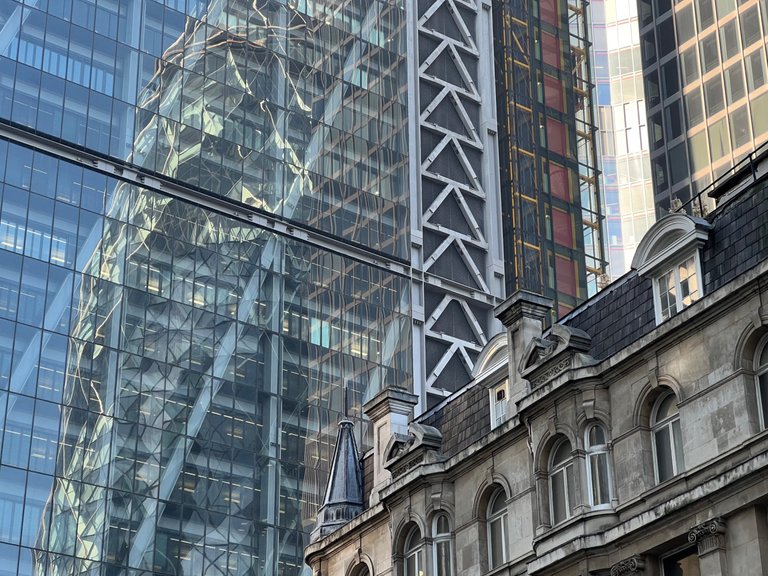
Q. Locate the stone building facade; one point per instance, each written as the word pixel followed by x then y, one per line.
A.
pixel 630 438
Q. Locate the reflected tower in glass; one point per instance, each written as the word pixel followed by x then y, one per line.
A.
pixel 551 213
pixel 203 244
pixel 625 169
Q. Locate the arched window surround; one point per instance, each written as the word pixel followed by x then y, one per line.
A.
pixel 761 380
pixel 562 484
pixel 497 531
pixel 442 544
pixel 413 553
pixel 598 465
pixel 666 436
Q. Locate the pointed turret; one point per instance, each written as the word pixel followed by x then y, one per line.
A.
pixel 344 493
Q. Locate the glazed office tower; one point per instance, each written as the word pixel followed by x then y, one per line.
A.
pixel 706 85
pixel 624 161
pixel 549 179
pixel 203 246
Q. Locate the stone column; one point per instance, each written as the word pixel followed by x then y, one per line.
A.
pixel 634 566
pixel 709 537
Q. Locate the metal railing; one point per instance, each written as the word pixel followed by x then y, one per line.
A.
pixel 705 201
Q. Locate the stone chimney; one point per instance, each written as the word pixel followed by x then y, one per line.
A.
pixel 390 412
pixel 344 492
pixel 524 315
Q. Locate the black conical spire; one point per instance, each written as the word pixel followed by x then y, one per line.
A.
pixel 344 492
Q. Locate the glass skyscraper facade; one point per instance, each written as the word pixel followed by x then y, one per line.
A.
pixel 625 169
pixel 203 232
pixel 551 213
pixel 706 90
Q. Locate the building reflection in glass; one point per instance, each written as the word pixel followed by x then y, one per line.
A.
pixel 170 377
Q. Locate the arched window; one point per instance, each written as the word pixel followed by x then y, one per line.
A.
pixel 441 531
pixel 497 529
pixel 598 475
pixel 360 570
pixel 762 383
pixel 414 557
pixel 667 439
pixel 561 482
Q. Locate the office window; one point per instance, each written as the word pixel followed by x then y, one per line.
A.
pixel 713 95
pixel 678 164
pixel 755 64
pixel 443 554
pixel 729 40
pixel 656 131
pixel 598 474
pixel 740 129
pixel 497 529
pixel 561 482
pixel 666 37
pixel 750 26
pixel 648 46
pixel 659 165
pixel 734 83
pixel 725 7
pixel 760 115
pixel 674 119
pixel 698 151
pixel 694 108
pixel 652 91
pixel 690 65
pixel 686 29
pixel 667 437
pixel 671 78
pixel 719 141
pixel 704 13
pixel 710 56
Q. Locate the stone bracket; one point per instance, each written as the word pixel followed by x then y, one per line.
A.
pixel 634 566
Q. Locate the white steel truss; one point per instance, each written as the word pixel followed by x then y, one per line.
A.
pixel 457 253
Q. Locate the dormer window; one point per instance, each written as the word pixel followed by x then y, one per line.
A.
pixel 678 288
pixel 669 255
pixel 499 401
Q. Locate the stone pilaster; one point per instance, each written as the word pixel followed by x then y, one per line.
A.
pixel 709 538
pixel 634 566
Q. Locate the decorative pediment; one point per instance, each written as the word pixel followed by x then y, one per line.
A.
pixel 547 357
pixel 406 451
pixel 668 239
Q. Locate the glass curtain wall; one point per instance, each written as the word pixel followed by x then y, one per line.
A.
pixel 705 62
pixel 627 186
pixel 549 177
pixel 170 376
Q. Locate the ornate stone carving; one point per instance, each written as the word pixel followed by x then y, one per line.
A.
pixel 708 536
pixel 552 372
pixel 634 566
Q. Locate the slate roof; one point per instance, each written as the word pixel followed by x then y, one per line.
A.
pixel 623 312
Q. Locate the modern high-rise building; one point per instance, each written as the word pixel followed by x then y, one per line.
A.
pixel 624 161
pixel 706 86
pixel 552 219
pixel 204 265
pixel 224 225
